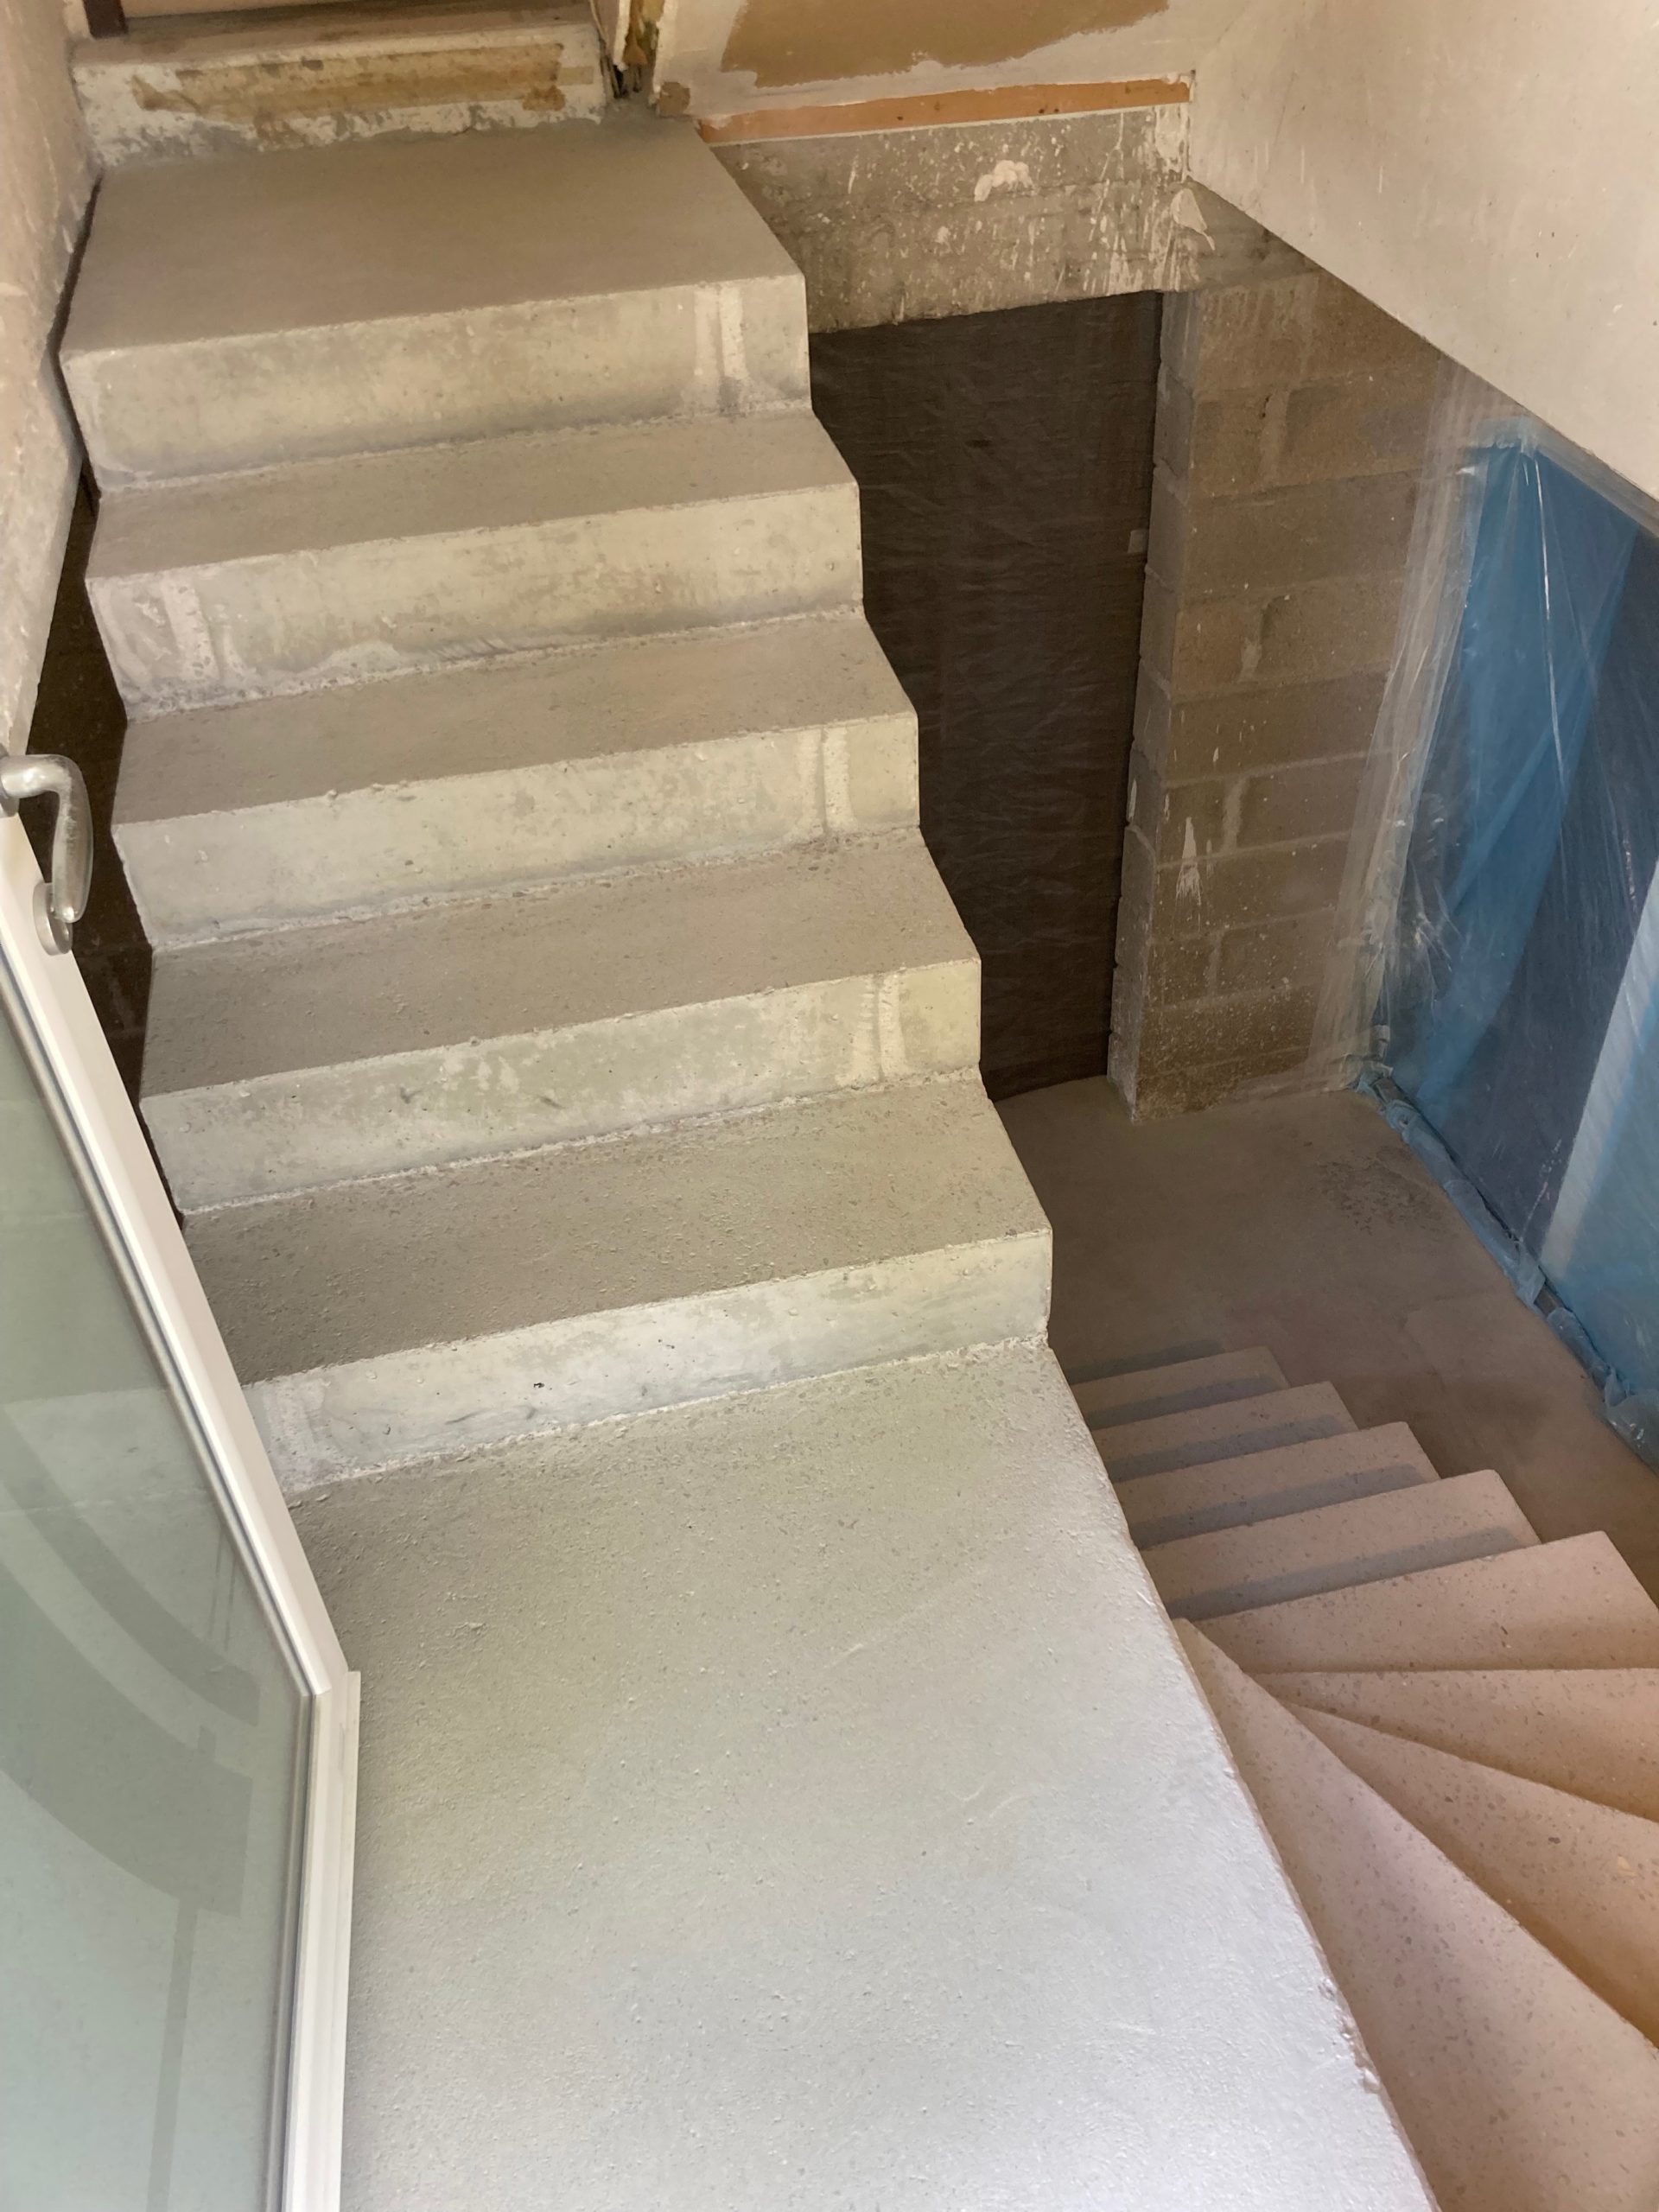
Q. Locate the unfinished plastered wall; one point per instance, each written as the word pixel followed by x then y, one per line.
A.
pixel 45 179
pixel 715 57
pixel 1293 423
pixel 1485 172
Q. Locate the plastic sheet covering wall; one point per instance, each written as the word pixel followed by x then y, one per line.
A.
pixel 1516 1004
pixel 1005 465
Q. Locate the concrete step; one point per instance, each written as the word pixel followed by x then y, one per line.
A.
pixel 329 571
pixel 1108 1399
pixel 1132 1449
pixel 470 1027
pixel 1593 1731
pixel 1520 2089
pixel 449 1308
pixel 1296 1479
pixel 1570 1604
pixel 471 287
pixel 324 76
pixel 503 773
pixel 802 1783
pixel 1582 1878
pixel 1337 1547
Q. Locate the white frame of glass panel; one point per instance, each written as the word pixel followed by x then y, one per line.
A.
pixel 90 1095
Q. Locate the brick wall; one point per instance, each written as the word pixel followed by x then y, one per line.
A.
pixel 1292 425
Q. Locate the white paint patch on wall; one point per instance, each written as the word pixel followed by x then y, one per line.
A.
pixel 1484 171
pixel 1005 176
pixel 45 179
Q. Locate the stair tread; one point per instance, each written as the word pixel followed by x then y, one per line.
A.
pixel 1592 1730
pixel 1581 1878
pixel 456 971
pixel 1573 1603
pixel 1131 1450
pixel 1178 1387
pixel 524 480
pixel 489 717
pixel 445 1255
pixel 1519 2088
pixel 746 1687
pixel 505 218
pixel 1296 1478
pixel 1333 1546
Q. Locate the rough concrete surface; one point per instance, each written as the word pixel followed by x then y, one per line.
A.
pixel 422 1313
pixel 1306 1225
pixel 796 1803
pixel 471 1026
pixel 472 287
pixel 527 770
pixel 328 76
pixel 238 586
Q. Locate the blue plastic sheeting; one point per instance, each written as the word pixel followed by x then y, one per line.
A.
pixel 1523 1004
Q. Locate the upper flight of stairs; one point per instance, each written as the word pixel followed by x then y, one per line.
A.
pixel 1449 1729
pixel 555 1012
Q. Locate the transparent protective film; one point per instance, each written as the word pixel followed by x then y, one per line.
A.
pixel 152 1740
pixel 1502 920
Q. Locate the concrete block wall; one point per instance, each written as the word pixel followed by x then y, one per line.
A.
pixel 1293 423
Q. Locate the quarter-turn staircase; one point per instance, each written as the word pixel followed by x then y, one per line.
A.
pixel 781 1786
pixel 1451 1731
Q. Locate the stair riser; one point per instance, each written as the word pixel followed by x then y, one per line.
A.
pixel 189 411
pixel 418 1109
pixel 212 874
pixel 417 76
pixel 1151 1528
pixel 445 1399
pixel 246 629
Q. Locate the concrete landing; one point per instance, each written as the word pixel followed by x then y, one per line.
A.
pixel 798 1804
pixel 1522 2091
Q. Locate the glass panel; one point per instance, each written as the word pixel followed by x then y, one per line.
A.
pixel 151 1731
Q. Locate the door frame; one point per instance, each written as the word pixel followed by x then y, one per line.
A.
pixel 61 1033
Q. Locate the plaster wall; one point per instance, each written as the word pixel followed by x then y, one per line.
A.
pixel 45 179
pixel 1485 173
pixel 728 55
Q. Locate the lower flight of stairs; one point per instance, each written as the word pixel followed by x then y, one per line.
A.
pixel 1451 1731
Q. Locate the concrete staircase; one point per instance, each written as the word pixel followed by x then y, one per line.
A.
pixel 512 769
pixel 1448 1730
pixel 780 1786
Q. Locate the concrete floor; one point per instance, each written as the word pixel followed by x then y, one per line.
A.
pixel 1305 1224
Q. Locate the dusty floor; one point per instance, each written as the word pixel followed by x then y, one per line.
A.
pixel 1305 1224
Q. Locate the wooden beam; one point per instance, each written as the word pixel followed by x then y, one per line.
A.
pixel 989 104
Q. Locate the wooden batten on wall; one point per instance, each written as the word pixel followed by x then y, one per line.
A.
pixel 986 103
